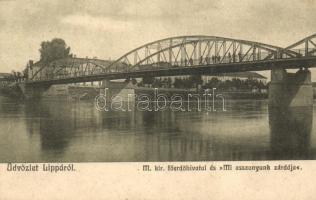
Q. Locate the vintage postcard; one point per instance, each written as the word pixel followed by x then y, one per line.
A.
pixel 200 99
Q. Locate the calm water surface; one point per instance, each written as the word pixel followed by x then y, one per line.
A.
pixel 62 131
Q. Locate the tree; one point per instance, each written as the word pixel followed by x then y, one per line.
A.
pixel 148 80
pixel 134 81
pixel 195 80
pixel 14 75
pixel 177 82
pixel 213 83
pixel 53 50
pixel 25 73
pixel 169 82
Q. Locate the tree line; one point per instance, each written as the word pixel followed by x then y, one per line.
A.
pixel 195 80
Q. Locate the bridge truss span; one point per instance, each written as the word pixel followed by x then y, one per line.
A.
pixel 305 47
pixel 195 51
pixel 68 67
pixel 183 55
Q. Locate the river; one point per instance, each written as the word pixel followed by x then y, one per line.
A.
pixel 72 131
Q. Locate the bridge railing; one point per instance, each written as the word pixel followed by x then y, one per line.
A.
pixel 302 51
pixel 241 58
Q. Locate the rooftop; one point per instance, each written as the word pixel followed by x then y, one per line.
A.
pixel 245 75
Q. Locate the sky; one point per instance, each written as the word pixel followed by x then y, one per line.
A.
pixel 109 28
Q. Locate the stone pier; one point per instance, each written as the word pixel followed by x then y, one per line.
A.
pixel 290 113
pixel 120 91
pixel 290 89
pixel 31 92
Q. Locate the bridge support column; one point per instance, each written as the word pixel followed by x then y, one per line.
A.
pixel 31 92
pixel 105 89
pixel 290 113
pixel 290 89
pixel 117 91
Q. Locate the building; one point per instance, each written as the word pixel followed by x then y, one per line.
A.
pixel 4 79
pixel 4 75
pixel 224 77
pixel 236 75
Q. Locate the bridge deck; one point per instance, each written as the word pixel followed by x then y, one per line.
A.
pixel 211 69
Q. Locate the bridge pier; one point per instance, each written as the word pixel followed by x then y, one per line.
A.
pixel 290 89
pixel 105 89
pixel 117 91
pixel 30 92
pixel 290 113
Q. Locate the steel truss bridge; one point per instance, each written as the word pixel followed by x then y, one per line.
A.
pixel 185 55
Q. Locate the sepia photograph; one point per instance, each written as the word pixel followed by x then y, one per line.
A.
pixel 101 81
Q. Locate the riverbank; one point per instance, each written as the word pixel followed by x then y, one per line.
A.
pixel 79 92
pixel 169 92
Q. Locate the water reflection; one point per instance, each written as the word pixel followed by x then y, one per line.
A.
pixel 145 136
pixel 54 124
pixel 290 132
pixel 61 131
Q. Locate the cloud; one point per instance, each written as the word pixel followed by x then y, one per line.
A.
pixel 110 28
pixel 165 9
pixel 98 23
